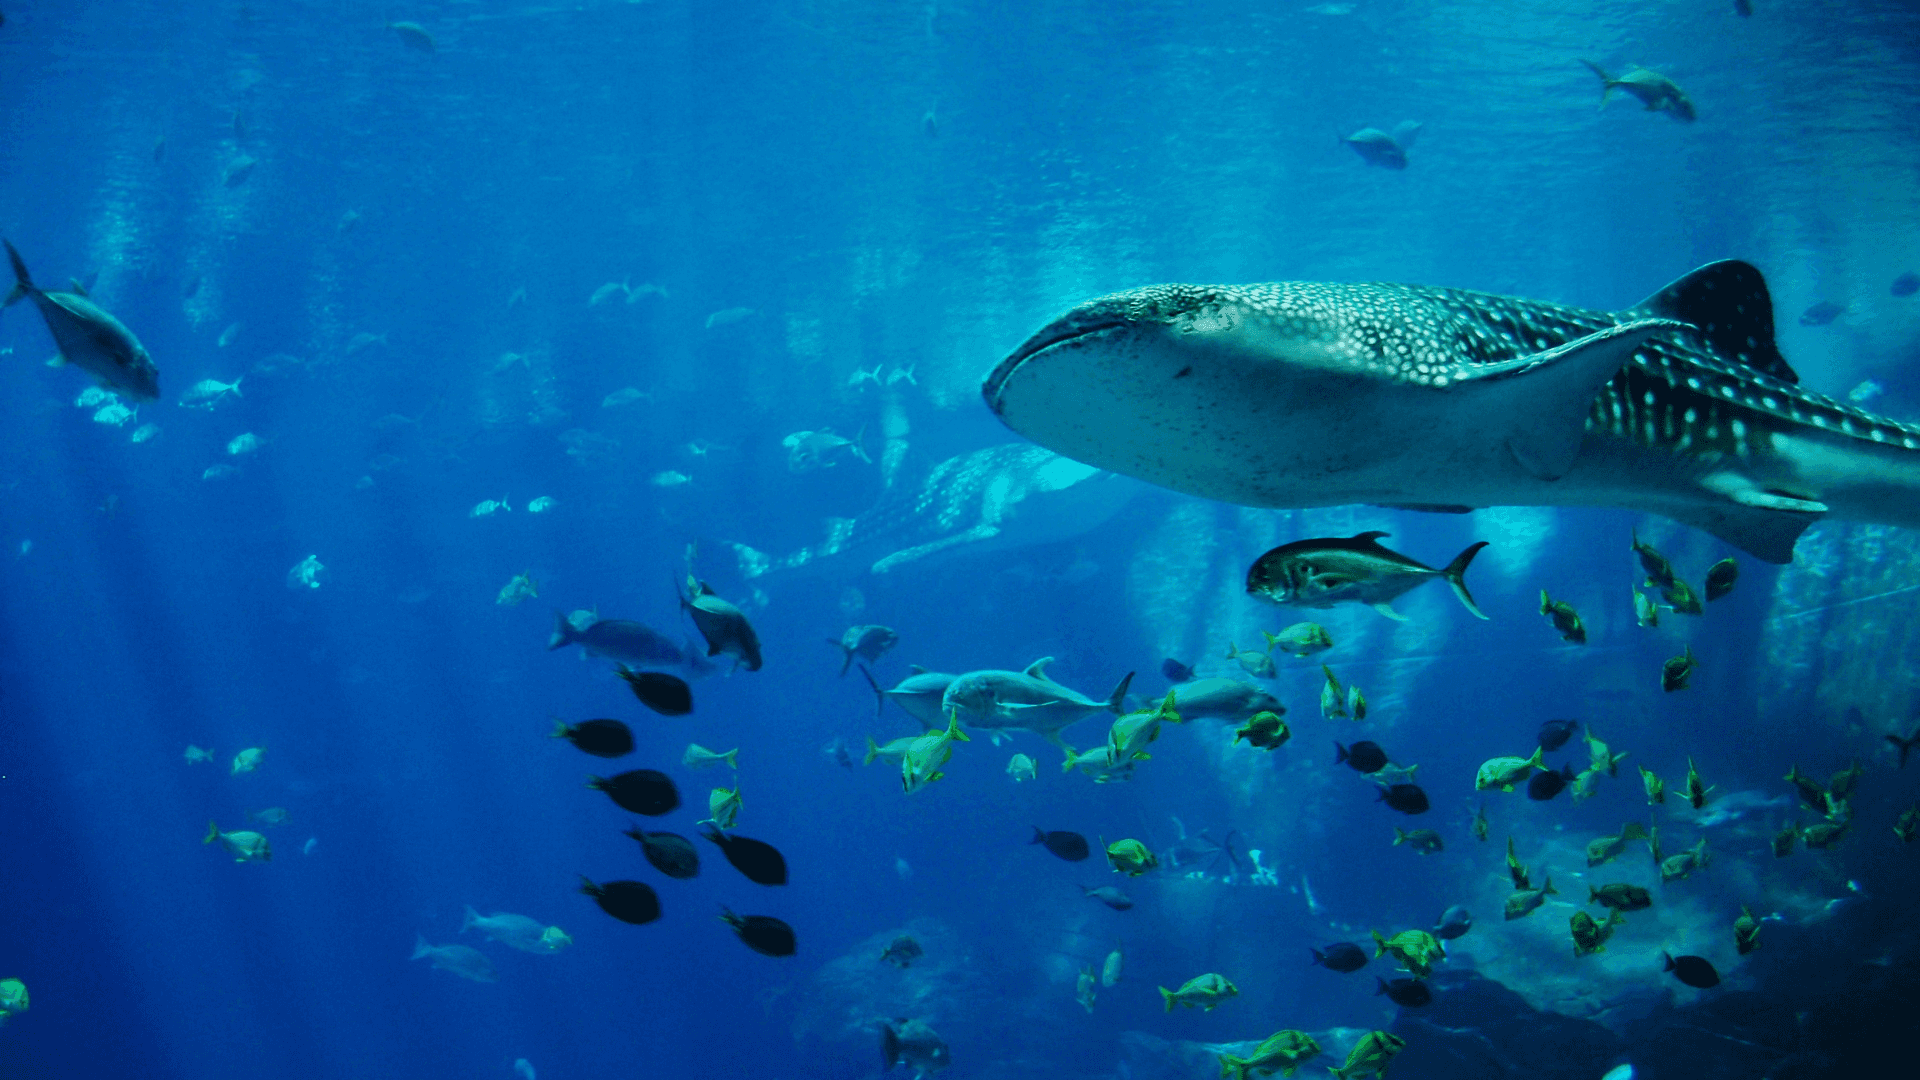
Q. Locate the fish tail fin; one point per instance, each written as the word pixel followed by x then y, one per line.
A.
pixel 22 281
pixel 731 757
pixel 846 663
pixel 873 751
pixel 1606 81
pixel 563 634
pixel 236 386
pixel 1117 701
pixel 1456 575
pixel 1067 765
pixel 1340 754
pixel 1399 837
pixel 860 443
pixel 420 946
pixel 213 833
pixel 1548 888
pixel 472 917
pixel 1167 996
pixel 1318 956
pixel 889 1046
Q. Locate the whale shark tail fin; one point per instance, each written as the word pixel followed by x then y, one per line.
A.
pixel 1456 575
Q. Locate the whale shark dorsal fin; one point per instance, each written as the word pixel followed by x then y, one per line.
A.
pixel 1728 303
pixel 1548 394
pixel 1038 669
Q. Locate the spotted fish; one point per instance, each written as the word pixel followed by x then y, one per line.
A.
pixel 1299 394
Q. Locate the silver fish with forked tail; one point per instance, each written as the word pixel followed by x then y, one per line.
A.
pixel 89 337
pixel 1322 573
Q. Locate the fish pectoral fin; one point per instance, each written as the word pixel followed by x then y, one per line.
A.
pixel 1768 500
pixel 1386 609
pixel 921 551
pixel 1547 395
pixel 1762 524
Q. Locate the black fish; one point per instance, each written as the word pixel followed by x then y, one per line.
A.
pixel 1555 733
pixel 763 934
pixel 1906 284
pixel 1109 896
pixel 1406 798
pixel 1407 993
pixel 1546 783
pixel 1820 314
pixel 1342 956
pixel 665 694
pixel 1695 971
pixel 643 791
pixel 757 859
pixel 670 853
pixel 1070 846
pixel 1720 578
pixel 601 738
pixel 1175 671
pixel 629 901
pixel 1363 756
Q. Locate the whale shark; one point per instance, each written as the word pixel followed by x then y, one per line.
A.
pixel 998 497
pixel 1304 394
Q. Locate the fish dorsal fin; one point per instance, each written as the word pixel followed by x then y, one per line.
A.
pixel 1038 669
pixel 79 287
pixel 1370 538
pixel 1543 399
pixel 1729 304
pixel 917 669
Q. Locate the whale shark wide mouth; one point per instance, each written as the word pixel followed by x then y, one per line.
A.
pixel 1074 328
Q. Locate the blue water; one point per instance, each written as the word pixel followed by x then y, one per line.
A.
pixel 403 279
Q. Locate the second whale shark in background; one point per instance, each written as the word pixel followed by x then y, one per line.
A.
pixel 990 499
pixel 1300 394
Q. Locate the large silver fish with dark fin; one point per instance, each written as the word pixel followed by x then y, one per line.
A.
pixel 1301 394
pixel 89 337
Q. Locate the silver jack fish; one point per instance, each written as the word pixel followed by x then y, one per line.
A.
pixel 88 337
pixel 1322 573
pixel 1299 394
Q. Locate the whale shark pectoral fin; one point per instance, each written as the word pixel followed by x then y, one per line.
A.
pixel 1547 395
pixel 921 551
pixel 1764 524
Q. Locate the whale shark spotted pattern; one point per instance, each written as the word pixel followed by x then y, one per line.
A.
pixel 1299 394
